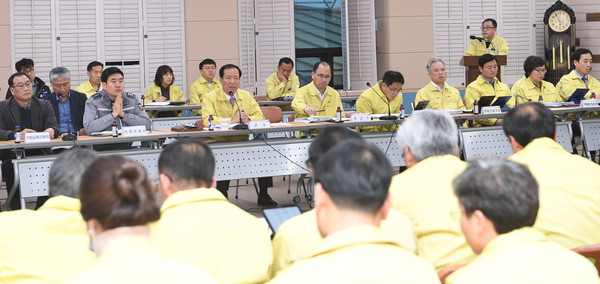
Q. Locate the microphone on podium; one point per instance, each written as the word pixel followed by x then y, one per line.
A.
pixel 480 39
pixel 389 116
pixel 241 125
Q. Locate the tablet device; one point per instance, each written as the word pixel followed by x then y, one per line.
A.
pixel 422 105
pixel 578 95
pixel 485 101
pixel 276 216
pixel 501 101
pixel 176 103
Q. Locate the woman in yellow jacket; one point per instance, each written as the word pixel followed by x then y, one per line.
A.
pixel 163 90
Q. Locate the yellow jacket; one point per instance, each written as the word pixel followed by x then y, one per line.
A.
pixel 87 89
pixel 134 259
pixel 478 48
pixel 569 211
pixel 525 256
pixel 570 82
pixel 300 235
pixel 50 245
pixel 526 89
pixel 277 89
pixel 223 240
pixel 200 88
pixel 424 194
pixel 308 96
pixel 449 99
pixel 361 254
pixel 153 93
pixel 371 101
pixel 479 88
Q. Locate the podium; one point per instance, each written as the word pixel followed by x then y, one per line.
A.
pixel 471 64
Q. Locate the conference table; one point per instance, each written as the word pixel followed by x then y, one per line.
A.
pixel 154 108
pixel 257 157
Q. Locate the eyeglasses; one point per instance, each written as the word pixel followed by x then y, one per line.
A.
pixel 487 28
pixel 327 77
pixel 21 86
pixel 395 91
pixel 541 70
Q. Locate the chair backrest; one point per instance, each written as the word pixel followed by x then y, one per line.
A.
pixel 261 98
pixel 272 113
pixel 591 252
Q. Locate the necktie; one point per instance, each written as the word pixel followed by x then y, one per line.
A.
pixel 585 80
pixel 232 100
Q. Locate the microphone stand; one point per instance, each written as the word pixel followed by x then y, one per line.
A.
pixel 241 125
pixel 389 116
pixel 70 136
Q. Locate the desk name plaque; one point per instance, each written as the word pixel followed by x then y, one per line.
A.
pixel 491 110
pixel 589 103
pixel 360 117
pixel 138 130
pixel 257 124
pixel 37 137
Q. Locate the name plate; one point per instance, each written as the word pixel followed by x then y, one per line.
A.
pixel 589 103
pixel 360 117
pixel 257 124
pixel 138 130
pixel 491 110
pixel 37 137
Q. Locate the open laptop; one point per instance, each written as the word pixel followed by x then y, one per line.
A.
pixel 276 216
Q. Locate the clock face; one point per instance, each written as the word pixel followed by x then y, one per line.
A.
pixel 559 21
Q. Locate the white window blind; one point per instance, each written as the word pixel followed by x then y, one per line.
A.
pixel 517 28
pixel 275 37
pixel 361 43
pixel 247 45
pixel 449 38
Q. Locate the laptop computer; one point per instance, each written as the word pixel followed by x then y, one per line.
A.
pixel 276 216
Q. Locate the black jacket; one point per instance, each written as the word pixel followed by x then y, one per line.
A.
pixel 77 108
pixel 41 91
pixel 42 117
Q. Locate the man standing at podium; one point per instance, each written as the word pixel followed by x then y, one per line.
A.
pixel 488 32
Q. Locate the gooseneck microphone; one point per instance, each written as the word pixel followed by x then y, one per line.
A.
pixel 70 136
pixel 389 116
pixel 241 125
pixel 480 39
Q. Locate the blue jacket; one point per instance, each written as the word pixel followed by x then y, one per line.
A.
pixel 77 108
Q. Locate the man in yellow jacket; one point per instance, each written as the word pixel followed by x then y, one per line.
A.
pixel 580 77
pixel 488 32
pixel 222 104
pixel 499 204
pixel 93 84
pixel 487 85
pixel 439 94
pixel 317 98
pixel 283 84
pixel 383 98
pixel 205 84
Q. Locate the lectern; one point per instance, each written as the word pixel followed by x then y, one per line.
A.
pixel 471 64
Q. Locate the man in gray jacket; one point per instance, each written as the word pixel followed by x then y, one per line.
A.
pixel 112 103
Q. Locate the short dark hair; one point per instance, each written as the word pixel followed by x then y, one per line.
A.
pixel 577 53
pixel 356 175
pixel 93 64
pixel 207 61
pixel 116 191
pixel 66 171
pixel 494 23
pixel 286 60
pixel 162 70
pixel 504 191
pixel 327 139
pixel 23 63
pixel 12 78
pixel 316 65
pixel 486 58
pixel 529 121
pixel 188 160
pixel 531 63
pixel 229 66
pixel 391 77
pixel 109 71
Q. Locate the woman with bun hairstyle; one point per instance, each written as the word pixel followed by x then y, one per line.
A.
pixel 117 204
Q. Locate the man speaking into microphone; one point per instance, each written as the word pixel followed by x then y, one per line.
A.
pixel 485 44
pixel 383 97
pixel 68 105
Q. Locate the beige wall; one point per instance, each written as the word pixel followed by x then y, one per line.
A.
pixel 405 39
pixel 5 65
pixel 211 31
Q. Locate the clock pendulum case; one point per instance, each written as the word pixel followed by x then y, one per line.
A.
pixel 559 40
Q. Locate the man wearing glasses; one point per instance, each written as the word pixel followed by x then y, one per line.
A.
pixel 385 96
pixel 488 32
pixel 40 89
pixel 31 115
pixel 317 98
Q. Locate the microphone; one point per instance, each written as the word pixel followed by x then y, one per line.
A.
pixel 70 136
pixel 241 125
pixel 522 97
pixel 389 116
pixel 480 39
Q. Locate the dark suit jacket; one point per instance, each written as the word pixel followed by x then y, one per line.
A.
pixel 42 117
pixel 42 90
pixel 77 108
